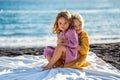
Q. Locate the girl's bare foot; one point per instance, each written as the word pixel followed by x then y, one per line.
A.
pixel 54 66
pixel 47 67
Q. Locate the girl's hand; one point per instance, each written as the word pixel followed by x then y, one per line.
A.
pixel 62 42
pixel 78 47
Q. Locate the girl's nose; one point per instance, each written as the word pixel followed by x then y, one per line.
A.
pixel 76 27
pixel 63 25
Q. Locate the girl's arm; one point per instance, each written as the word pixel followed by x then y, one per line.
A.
pixel 58 41
pixel 83 48
pixel 72 39
pixel 84 44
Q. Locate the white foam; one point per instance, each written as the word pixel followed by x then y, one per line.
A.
pixel 27 41
pixel 5 72
pixel 104 36
pixel 50 40
pixel 104 39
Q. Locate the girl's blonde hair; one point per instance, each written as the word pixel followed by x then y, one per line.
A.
pixel 77 17
pixel 65 14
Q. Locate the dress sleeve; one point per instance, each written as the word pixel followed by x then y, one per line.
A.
pixel 84 44
pixel 72 39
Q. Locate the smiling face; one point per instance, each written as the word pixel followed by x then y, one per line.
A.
pixel 77 26
pixel 63 24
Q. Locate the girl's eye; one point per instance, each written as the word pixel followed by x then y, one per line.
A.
pixel 75 26
pixel 65 22
pixel 79 24
pixel 59 23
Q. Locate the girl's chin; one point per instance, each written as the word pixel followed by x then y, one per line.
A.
pixel 78 32
pixel 64 29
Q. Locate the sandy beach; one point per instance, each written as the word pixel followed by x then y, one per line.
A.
pixel 109 52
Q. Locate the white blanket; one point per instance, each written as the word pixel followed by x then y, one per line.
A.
pixel 29 67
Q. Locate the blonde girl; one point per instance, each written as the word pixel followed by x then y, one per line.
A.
pixel 66 49
pixel 83 47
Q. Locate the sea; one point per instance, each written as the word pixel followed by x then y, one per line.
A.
pixel 29 23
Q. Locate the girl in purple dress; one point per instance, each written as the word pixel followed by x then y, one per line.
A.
pixel 67 42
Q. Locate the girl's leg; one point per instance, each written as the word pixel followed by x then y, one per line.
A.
pixel 58 53
pixel 48 58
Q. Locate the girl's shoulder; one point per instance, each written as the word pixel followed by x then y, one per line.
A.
pixel 83 33
pixel 71 33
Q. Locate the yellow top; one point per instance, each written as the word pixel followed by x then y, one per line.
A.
pixel 81 62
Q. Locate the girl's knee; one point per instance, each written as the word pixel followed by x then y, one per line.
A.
pixel 48 51
pixel 61 48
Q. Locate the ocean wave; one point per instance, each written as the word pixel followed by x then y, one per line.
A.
pixel 9 34
pixel 105 36
pixel 113 10
pixel 27 41
pixel 104 39
pixel 49 40
pixel 23 33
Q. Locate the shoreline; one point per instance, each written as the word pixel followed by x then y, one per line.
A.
pixel 109 52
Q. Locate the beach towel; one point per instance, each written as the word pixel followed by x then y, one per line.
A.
pixel 29 67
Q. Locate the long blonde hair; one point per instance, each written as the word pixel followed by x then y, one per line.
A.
pixel 77 17
pixel 65 14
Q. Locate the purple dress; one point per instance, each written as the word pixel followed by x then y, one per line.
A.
pixel 71 50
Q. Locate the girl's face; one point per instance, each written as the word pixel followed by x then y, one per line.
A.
pixel 77 26
pixel 63 24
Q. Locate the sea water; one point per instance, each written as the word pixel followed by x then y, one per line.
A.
pixel 28 23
